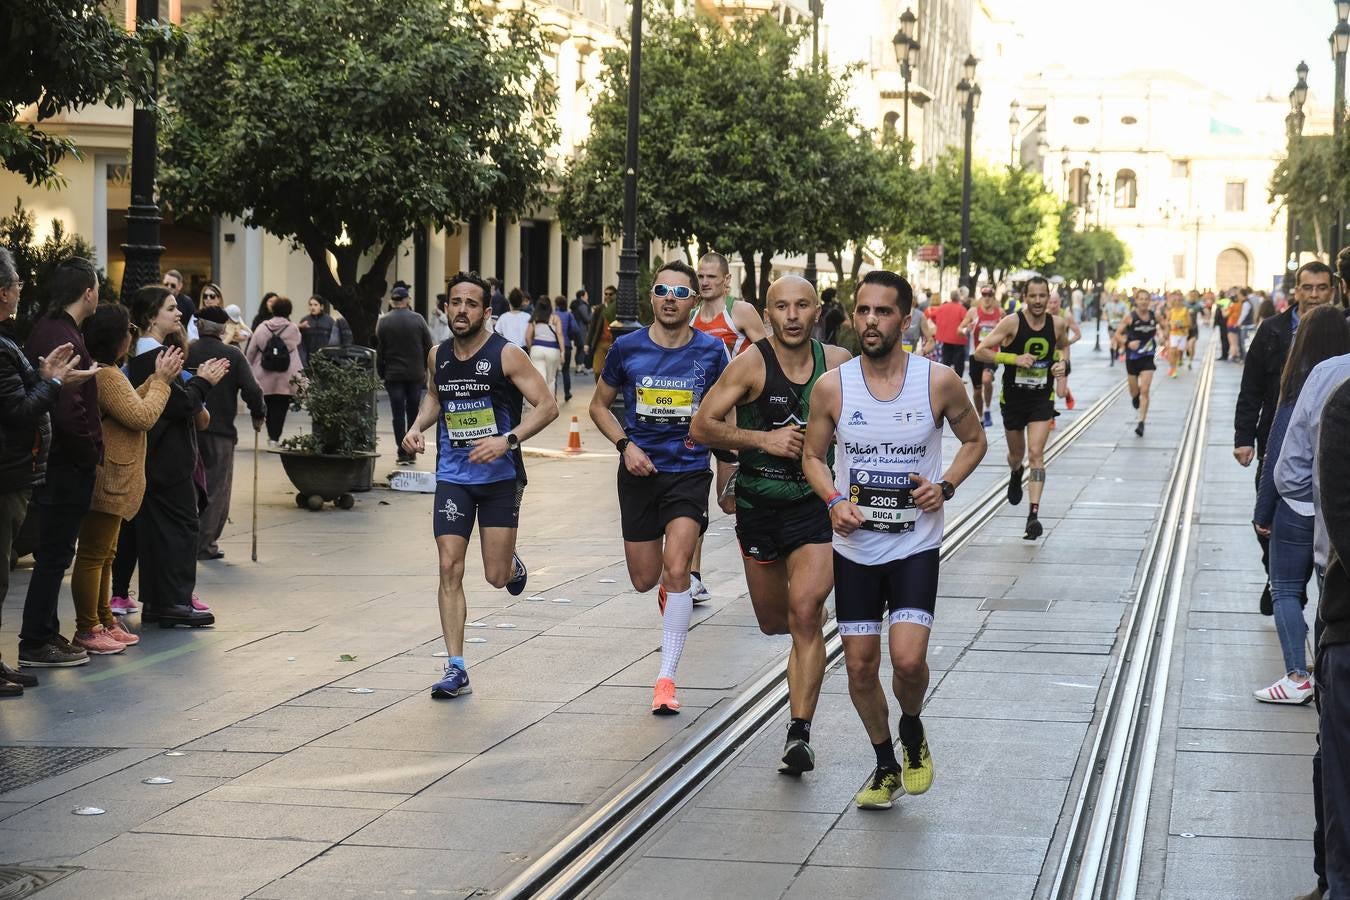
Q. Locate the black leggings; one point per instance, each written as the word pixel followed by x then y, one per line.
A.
pixel 277 405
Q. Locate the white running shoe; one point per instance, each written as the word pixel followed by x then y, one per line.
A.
pixel 1286 690
pixel 698 591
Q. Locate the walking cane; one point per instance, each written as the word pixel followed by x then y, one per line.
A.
pixel 255 495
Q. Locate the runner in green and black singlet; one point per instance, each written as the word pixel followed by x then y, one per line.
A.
pixel 783 527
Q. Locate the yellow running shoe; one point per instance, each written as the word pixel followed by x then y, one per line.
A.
pixel 917 771
pixel 879 791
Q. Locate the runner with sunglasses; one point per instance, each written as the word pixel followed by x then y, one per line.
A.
pixel 782 526
pixel 663 370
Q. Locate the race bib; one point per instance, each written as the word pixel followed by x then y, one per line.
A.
pixel 908 348
pixel 664 401
pixel 469 420
pixel 884 500
pixel 1037 375
pixel 986 330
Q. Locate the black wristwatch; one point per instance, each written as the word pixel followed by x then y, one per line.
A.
pixel 512 441
pixel 622 444
pixel 948 490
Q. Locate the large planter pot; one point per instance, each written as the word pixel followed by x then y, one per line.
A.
pixel 319 476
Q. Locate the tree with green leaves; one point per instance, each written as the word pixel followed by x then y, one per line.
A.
pixel 736 141
pixel 62 55
pixel 36 260
pixel 1014 218
pixel 343 125
pixel 1079 251
pixel 1308 183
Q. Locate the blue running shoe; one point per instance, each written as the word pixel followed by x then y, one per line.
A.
pixel 454 683
pixel 988 419
pixel 516 586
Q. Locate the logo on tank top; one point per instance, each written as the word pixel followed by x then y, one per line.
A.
pixel 482 367
pixel 857 418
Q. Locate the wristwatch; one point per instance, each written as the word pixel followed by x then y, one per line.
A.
pixel 948 490
pixel 622 444
pixel 512 441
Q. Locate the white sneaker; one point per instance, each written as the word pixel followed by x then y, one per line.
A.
pixel 698 591
pixel 1286 690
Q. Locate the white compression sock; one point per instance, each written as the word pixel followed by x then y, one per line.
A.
pixel 679 610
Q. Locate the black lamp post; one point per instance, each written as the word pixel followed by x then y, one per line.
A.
pixel 1101 189
pixel 143 249
pixel 817 7
pixel 1294 122
pixel 968 92
pixel 907 55
pixel 1014 126
pixel 626 301
pixel 1340 42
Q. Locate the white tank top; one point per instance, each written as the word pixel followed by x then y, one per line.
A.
pixel 880 443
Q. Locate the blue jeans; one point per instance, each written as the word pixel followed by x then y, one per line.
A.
pixel 1291 565
pixel 404 398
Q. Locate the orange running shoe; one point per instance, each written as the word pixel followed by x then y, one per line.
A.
pixel 663 698
pixel 661 598
pixel 1068 399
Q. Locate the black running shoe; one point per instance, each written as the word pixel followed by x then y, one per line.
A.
pixel 1015 486
pixel 1267 603
pixel 519 574
pixel 1034 529
pixel 1134 398
pixel 1139 429
pixel 798 757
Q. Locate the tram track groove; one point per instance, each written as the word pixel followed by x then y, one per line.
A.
pixel 583 856
pixel 1103 848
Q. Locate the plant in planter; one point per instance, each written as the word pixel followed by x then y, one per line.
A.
pixel 326 464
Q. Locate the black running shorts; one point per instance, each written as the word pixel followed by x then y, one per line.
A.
pixel 496 504
pixel 768 534
pixel 977 370
pixel 868 598
pixel 647 504
pixel 1139 366
pixel 954 355
pixel 1018 413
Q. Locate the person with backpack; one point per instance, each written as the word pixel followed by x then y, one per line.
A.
pixel 274 355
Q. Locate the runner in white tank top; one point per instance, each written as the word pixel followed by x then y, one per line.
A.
pixel 887 411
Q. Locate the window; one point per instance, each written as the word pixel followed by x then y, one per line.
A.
pixel 1127 190
pixel 1128 120
pixel 1080 120
pixel 888 125
pixel 1077 195
pixel 1179 266
pixel 1235 196
pixel 1181 168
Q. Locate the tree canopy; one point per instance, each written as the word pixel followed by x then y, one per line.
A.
pixel 62 55
pixel 315 119
pixel 1079 251
pixel 738 143
pixel 1307 182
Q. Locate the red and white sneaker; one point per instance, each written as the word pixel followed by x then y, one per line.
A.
pixel 122 606
pixel 663 698
pixel 1287 690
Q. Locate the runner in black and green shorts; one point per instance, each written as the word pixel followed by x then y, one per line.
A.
pixel 783 528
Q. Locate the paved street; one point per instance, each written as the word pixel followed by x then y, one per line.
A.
pixel 313 762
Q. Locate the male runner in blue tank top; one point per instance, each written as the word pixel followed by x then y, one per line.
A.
pixel 663 371
pixel 783 528
pixel 475 383
pixel 884 413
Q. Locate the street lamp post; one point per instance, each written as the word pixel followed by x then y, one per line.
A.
pixel 1101 189
pixel 817 7
pixel 1014 126
pixel 143 249
pixel 1340 42
pixel 969 94
pixel 626 301
pixel 907 55
pixel 1294 123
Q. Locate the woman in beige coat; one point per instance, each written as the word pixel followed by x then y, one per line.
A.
pixel 127 413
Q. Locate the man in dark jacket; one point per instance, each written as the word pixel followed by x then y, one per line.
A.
pixel 403 342
pixel 216 444
pixel 1333 648
pixel 27 395
pixel 581 315
pixel 76 451
pixel 1260 391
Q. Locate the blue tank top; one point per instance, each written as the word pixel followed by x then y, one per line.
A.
pixel 662 389
pixel 477 400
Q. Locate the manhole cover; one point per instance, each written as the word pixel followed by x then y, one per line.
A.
pixel 22 766
pixel 16 882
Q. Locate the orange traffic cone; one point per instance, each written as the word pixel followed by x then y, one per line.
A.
pixel 573 438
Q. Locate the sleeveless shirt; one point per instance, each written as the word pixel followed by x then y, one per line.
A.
pixel 1145 331
pixel 477 400
pixel 985 322
pixel 764 479
pixel 879 445
pixel 721 327
pixel 1032 382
